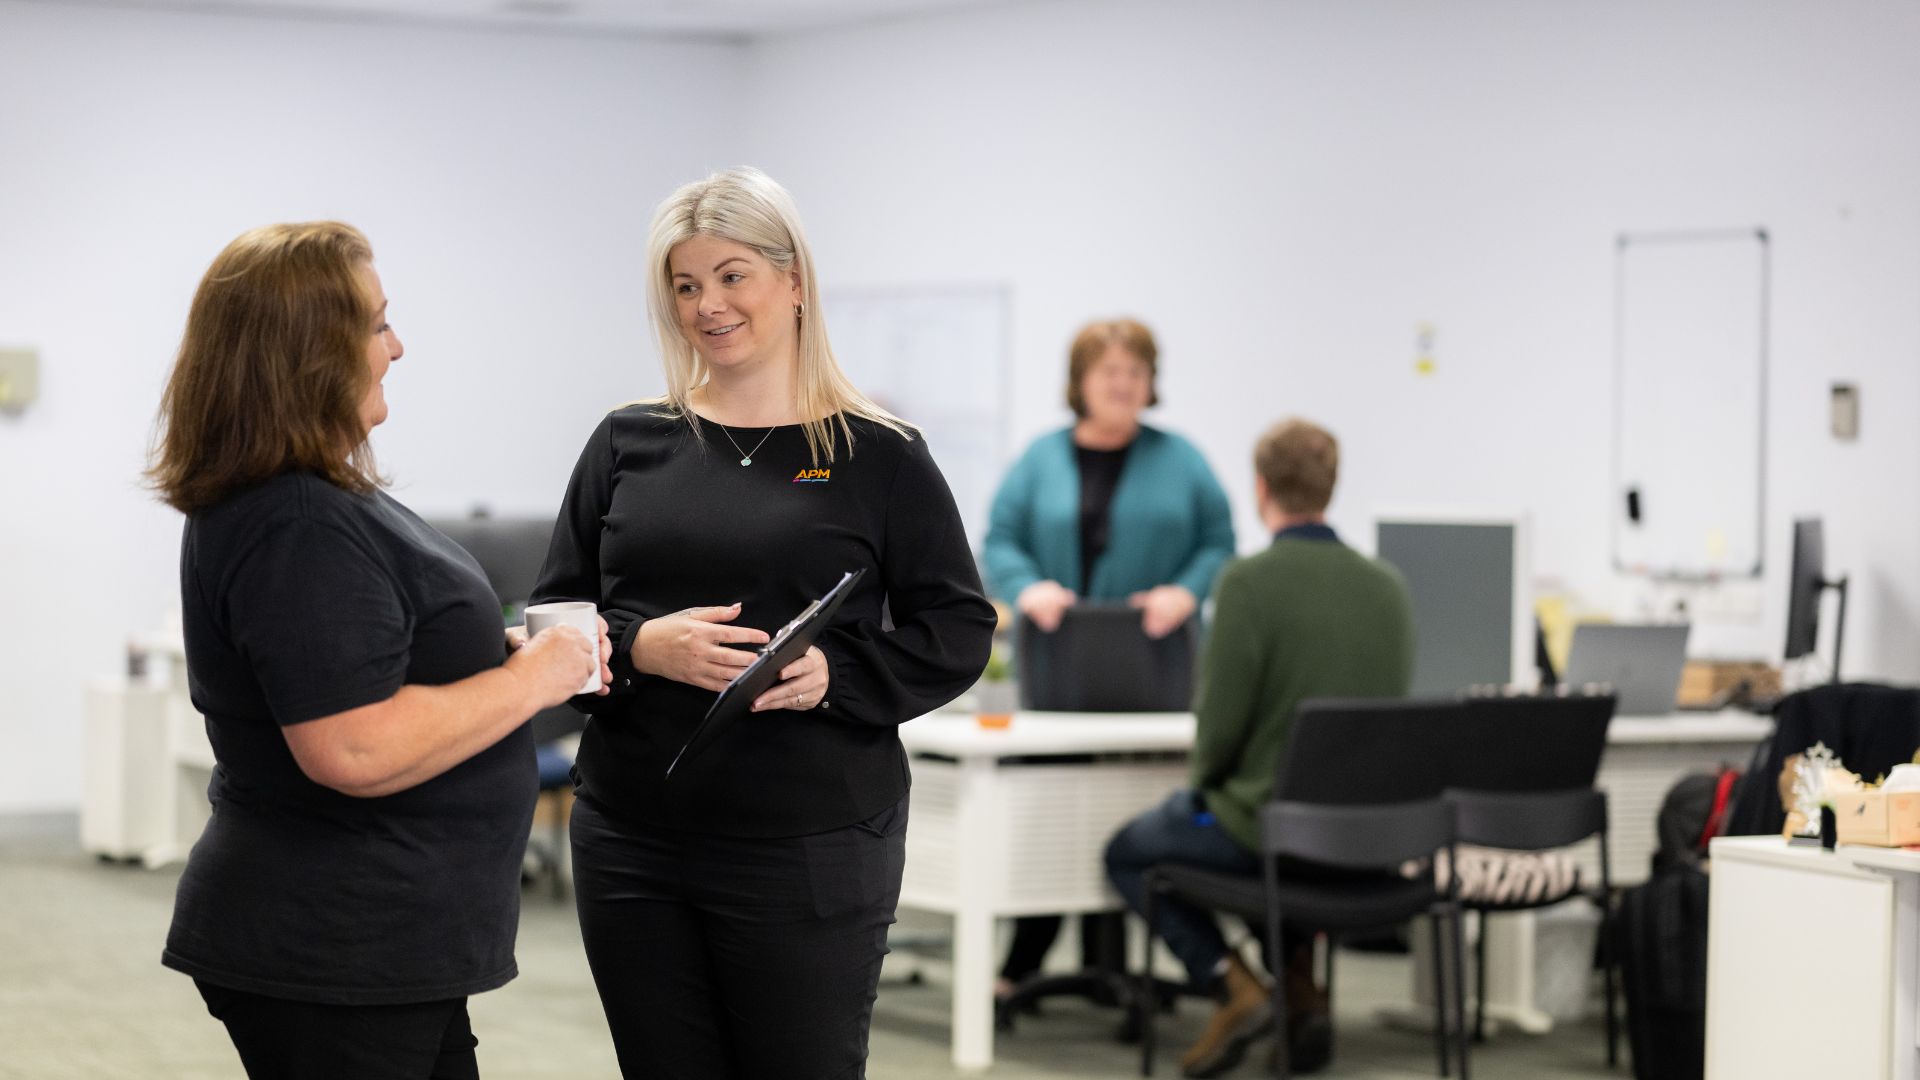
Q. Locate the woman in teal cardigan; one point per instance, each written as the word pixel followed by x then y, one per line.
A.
pixel 1108 509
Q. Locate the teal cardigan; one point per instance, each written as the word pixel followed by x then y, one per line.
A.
pixel 1171 523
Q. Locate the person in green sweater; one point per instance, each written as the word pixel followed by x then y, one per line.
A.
pixel 1108 510
pixel 1308 617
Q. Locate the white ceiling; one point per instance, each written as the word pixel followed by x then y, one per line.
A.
pixel 726 18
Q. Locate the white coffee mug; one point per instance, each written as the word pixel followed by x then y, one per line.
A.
pixel 579 614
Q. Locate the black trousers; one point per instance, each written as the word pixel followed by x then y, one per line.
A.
pixel 722 958
pixel 300 1040
pixel 1034 935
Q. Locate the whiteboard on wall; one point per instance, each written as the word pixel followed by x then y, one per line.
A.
pixel 938 357
pixel 1689 408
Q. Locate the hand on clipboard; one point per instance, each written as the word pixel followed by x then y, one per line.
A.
pixel 787 645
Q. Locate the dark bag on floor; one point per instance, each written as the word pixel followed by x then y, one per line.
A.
pixel 1660 935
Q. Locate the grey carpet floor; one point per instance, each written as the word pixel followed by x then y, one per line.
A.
pixel 82 995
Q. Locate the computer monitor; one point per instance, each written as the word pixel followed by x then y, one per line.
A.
pixel 1100 660
pixel 1641 663
pixel 1469 582
pixel 508 549
pixel 1806 582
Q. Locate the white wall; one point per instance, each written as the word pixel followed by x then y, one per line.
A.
pixel 1283 190
pixel 1286 190
pixel 504 181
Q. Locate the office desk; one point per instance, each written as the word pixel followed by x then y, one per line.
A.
pixel 1812 961
pixel 1014 821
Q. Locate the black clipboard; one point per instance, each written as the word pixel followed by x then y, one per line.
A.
pixel 786 646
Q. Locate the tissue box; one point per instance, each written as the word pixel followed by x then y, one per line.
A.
pixel 1878 818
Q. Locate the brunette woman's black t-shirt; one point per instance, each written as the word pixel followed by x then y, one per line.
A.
pixel 301 600
pixel 657 519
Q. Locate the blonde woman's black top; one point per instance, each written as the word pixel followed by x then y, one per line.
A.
pixel 657 520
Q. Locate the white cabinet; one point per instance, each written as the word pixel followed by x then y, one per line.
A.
pixel 147 767
pixel 1811 962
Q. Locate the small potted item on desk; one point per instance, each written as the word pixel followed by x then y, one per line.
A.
pixel 996 695
pixel 1810 785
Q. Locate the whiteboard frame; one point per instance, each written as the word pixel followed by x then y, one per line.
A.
pixel 1000 294
pixel 1616 492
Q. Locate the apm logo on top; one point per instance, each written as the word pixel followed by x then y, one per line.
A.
pixel 811 476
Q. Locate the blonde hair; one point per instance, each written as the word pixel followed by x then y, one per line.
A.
pixel 272 368
pixel 748 207
pixel 1299 460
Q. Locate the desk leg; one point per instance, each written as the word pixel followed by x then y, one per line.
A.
pixel 1510 989
pixel 1511 994
pixel 1906 976
pixel 972 989
pixel 980 887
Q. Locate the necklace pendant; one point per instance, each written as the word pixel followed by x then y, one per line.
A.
pixel 745 461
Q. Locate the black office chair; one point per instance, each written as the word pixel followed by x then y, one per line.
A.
pixel 509 551
pixel 1296 841
pixel 555 766
pixel 1537 821
pixel 1098 660
pixel 1871 728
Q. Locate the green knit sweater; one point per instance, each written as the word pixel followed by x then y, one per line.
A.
pixel 1305 618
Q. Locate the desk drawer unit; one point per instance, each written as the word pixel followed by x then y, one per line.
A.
pixel 1026 835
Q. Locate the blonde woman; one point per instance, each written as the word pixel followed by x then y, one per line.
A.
pixel 735 916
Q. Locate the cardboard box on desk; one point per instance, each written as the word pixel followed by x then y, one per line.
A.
pixel 1704 683
pixel 1877 818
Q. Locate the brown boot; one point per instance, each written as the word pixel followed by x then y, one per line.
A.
pixel 1244 1015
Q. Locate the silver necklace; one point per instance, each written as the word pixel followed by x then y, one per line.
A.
pixel 746 456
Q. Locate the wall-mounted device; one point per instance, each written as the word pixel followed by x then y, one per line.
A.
pixel 1844 403
pixel 19 379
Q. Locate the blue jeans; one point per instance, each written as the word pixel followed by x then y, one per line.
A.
pixel 1171 832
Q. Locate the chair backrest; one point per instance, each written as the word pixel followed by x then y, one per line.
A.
pixel 1365 751
pixel 1527 821
pixel 1099 660
pixel 1350 751
pixel 1531 743
pixel 508 549
pixel 1356 837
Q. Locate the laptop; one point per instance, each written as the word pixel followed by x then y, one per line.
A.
pixel 1099 660
pixel 1640 662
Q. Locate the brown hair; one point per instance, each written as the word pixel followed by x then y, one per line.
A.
pixel 272 368
pixel 1299 460
pixel 1091 344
